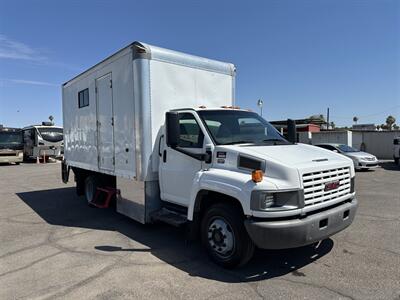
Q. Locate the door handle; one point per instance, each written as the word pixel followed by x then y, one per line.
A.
pixel 159 145
pixel 165 156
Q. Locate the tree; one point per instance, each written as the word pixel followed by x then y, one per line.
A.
pixel 51 118
pixel 317 119
pixel 355 119
pixel 390 120
pixel 332 125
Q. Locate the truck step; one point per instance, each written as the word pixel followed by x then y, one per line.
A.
pixel 170 217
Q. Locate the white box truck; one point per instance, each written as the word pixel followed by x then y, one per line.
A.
pixel 159 129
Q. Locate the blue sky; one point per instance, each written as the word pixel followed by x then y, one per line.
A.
pixel 299 56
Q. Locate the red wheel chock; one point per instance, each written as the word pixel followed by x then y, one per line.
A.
pixel 104 201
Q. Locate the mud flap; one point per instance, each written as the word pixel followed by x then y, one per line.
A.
pixel 65 171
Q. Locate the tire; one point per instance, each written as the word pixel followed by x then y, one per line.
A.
pixel 91 184
pixel 396 160
pixel 224 236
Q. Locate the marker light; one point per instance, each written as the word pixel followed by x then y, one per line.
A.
pixel 257 175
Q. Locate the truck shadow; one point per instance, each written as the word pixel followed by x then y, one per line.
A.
pixel 62 207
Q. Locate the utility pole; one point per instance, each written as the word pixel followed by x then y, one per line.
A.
pixel 327 119
pixel 260 104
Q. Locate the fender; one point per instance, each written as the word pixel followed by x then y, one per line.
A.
pixel 235 184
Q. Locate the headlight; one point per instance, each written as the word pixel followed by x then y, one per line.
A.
pixel 272 201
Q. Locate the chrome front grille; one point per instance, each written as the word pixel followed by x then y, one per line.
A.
pixel 316 185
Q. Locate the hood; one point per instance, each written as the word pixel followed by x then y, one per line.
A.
pixel 284 164
pixel 358 154
pixel 298 155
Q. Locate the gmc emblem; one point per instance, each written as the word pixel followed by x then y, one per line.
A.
pixel 331 185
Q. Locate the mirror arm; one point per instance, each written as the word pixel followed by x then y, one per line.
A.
pixel 198 156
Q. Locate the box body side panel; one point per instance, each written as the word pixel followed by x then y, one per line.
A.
pixel 81 126
pixel 175 86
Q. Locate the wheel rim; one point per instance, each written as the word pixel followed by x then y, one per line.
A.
pixel 220 237
pixel 89 190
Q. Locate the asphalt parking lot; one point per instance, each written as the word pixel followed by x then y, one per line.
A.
pixel 54 246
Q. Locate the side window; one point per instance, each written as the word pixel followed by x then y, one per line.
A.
pixel 83 98
pixel 191 135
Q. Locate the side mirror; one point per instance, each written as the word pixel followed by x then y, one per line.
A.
pixel 172 129
pixel 291 131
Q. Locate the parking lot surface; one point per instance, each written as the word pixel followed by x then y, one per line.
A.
pixel 52 245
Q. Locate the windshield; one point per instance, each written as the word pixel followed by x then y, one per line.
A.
pixel 10 137
pixel 51 134
pixel 345 148
pixel 229 127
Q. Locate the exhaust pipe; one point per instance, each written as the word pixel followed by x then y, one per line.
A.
pixel 291 131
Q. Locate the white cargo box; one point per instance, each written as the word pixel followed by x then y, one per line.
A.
pixel 113 112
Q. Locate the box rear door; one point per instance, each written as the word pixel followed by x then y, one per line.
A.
pixel 105 123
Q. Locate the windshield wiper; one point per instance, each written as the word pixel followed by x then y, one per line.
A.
pixel 238 142
pixel 276 140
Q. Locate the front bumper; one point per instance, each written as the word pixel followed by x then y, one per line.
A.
pixel 366 164
pixel 284 234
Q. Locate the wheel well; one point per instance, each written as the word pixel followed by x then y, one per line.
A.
pixel 205 199
pixel 105 179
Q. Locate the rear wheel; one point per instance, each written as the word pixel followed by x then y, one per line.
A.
pixel 91 184
pixel 225 237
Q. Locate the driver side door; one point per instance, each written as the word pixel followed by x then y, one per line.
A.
pixel 178 170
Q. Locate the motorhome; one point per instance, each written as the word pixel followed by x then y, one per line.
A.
pixel 159 130
pixel 11 145
pixel 43 141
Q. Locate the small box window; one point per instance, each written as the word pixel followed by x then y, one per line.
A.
pixel 83 98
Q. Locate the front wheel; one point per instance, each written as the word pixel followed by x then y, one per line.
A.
pixel 225 237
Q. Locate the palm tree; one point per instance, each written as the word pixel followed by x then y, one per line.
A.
pixel 355 119
pixel 332 125
pixel 390 120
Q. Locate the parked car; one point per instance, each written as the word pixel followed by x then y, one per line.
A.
pixel 361 160
pixel 396 150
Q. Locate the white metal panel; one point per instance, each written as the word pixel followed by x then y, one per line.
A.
pixel 80 130
pixel 105 122
pixel 131 201
pixel 175 86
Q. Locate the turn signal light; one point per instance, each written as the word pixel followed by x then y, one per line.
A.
pixel 257 175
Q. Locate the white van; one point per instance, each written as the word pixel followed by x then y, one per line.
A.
pixel 160 128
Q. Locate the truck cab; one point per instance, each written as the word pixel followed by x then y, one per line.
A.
pixel 246 185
